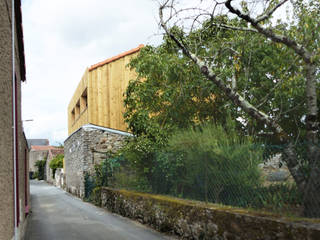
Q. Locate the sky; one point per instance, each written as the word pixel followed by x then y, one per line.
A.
pixel 64 37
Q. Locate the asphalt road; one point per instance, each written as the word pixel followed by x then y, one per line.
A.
pixel 57 215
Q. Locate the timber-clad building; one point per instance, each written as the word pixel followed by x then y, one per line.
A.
pixel 98 99
pixel 95 118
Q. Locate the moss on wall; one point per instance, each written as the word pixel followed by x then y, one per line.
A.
pixel 197 220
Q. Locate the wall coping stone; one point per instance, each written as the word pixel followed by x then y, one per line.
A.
pixel 90 126
pixel 198 220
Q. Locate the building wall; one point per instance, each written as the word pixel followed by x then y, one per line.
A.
pixel 79 116
pixel 99 96
pixel 24 189
pixel 6 140
pixel 6 148
pixel 75 151
pixel 85 148
pixel 35 156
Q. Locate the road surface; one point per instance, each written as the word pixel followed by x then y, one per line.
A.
pixel 57 215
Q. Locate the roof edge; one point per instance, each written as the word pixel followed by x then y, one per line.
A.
pixel 112 59
pixel 110 130
pixel 19 29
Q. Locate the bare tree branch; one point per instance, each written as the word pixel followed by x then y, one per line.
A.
pixel 270 12
pixel 299 49
pixel 224 26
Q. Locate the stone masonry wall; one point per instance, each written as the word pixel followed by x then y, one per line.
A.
pixel 74 153
pixel 196 220
pixel 85 148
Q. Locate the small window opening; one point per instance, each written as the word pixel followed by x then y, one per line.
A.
pixel 84 101
pixel 73 118
pixel 77 110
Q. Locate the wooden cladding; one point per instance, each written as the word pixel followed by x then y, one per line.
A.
pixel 99 96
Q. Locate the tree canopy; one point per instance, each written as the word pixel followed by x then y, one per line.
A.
pixel 278 90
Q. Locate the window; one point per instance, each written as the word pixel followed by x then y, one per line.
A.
pixel 73 118
pixel 84 101
pixel 77 109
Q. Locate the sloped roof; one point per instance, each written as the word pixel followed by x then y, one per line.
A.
pixel 38 142
pixel 55 152
pixel 109 60
pixel 42 148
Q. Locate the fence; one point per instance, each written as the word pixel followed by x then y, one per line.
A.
pixel 244 176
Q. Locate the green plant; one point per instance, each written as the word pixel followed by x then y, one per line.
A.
pixel 35 175
pixel 218 165
pixel 95 196
pixel 40 164
pixel 89 185
pixel 56 162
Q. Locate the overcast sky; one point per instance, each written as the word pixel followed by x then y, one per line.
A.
pixel 62 38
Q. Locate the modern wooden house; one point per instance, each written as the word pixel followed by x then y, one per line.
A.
pixel 98 99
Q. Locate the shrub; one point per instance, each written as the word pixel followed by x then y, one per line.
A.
pixel 215 164
pixel 40 164
pixel 35 175
pixel 56 162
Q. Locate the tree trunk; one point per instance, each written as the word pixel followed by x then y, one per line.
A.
pixel 311 196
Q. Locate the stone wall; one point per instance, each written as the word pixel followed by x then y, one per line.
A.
pixel 196 220
pixel 85 148
pixel 59 180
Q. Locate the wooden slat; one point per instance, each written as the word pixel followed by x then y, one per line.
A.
pixel 105 85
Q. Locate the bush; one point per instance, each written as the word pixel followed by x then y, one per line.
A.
pixel 214 165
pixel 56 162
pixel 40 164
pixel 35 175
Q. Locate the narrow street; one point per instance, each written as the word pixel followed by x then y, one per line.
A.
pixel 57 215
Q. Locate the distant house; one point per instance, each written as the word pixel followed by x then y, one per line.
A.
pixel 52 153
pixel 14 185
pixel 38 142
pixel 35 156
pixel 38 153
pixel 98 99
pixel 95 118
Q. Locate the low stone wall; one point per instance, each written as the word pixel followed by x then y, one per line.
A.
pixel 59 180
pixel 196 220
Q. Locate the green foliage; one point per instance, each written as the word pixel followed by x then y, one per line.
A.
pixel 278 197
pixel 216 158
pixel 40 164
pixel 95 196
pixel 56 162
pixel 89 185
pixel 170 93
pixel 35 175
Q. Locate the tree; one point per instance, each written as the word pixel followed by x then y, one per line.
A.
pixel 296 41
